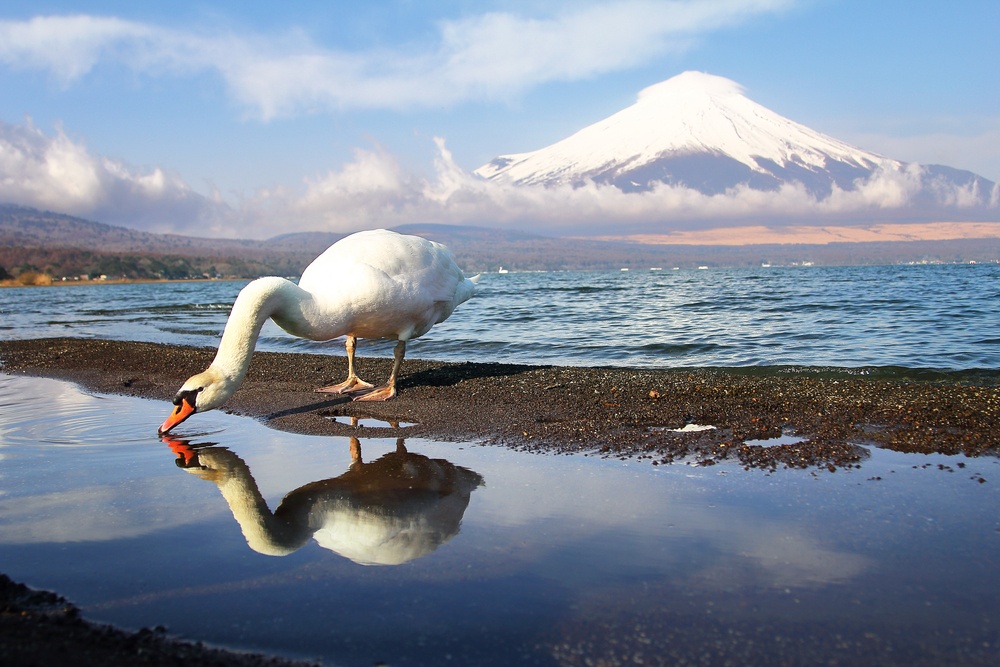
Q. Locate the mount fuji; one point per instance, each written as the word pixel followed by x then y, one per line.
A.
pixel 700 132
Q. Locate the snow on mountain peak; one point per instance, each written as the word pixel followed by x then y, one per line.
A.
pixel 691 121
pixel 691 82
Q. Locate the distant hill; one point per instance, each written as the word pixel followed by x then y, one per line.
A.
pixel 23 226
pixel 62 245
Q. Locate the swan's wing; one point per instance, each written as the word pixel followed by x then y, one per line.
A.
pixel 393 285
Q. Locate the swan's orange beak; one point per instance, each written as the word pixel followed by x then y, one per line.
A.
pixel 184 409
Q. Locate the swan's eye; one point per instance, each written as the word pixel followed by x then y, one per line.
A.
pixel 189 395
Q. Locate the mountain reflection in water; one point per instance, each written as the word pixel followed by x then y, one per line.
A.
pixel 397 508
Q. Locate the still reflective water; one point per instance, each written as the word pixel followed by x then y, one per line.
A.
pixel 414 552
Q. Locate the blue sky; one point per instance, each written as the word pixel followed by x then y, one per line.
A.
pixel 256 118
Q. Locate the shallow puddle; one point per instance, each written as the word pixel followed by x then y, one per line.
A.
pixel 369 422
pixel 783 439
pixel 413 552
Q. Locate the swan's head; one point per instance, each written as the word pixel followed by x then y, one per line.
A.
pixel 202 392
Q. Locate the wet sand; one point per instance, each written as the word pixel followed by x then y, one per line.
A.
pixel 42 628
pixel 615 412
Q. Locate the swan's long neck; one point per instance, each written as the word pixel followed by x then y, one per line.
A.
pixel 264 532
pixel 263 298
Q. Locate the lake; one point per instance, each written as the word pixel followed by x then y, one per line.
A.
pixel 925 316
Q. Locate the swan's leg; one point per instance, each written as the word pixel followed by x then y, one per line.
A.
pixel 388 390
pixel 355 452
pixel 353 382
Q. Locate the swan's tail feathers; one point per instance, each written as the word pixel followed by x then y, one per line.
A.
pixel 475 278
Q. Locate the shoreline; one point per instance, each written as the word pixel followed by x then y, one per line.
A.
pixel 620 412
pixel 62 282
pixel 43 628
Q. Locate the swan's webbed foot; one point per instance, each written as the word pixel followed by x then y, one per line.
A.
pixel 348 386
pixel 381 394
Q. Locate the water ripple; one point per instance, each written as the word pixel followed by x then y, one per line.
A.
pixel 941 317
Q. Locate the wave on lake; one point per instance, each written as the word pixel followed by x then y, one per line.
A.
pixel 942 318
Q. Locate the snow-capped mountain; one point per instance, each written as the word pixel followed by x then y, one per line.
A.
pixel 700 131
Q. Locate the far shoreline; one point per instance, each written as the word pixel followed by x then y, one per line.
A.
pixel 118 281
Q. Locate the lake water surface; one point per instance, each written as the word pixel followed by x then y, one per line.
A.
pixel 941 317
pixel 414 552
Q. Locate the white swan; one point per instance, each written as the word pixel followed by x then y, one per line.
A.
pixel 373 284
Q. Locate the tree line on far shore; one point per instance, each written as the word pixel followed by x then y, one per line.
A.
pixel 36 265
pixel 27 265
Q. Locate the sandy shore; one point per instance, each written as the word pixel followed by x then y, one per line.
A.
pixel 609 411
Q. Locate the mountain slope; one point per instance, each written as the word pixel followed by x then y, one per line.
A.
pixel 24 226
pixel 63 245
pixel 700 131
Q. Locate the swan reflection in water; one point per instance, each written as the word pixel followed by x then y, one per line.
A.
pixel 399 507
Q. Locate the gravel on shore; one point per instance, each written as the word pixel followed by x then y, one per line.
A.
pixel 620 412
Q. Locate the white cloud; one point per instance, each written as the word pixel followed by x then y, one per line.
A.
pixel 503 52
pixel 374 190
pixel 67 46
pixel 58 174
pixel 971 145
pixel 492 55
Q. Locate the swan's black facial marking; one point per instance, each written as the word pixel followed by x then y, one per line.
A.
pixel 185 405
pixel 189 395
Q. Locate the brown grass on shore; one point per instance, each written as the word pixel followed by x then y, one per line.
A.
pixel 29 279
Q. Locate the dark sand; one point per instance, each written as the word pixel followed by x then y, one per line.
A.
pixel 607 411
pixel 43 629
